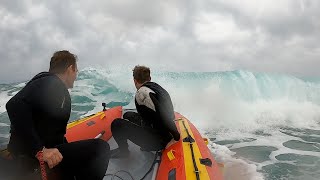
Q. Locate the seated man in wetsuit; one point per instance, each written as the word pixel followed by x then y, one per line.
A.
pixel 153 127
pixel 39 114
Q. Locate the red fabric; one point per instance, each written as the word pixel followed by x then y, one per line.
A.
pixel 42 165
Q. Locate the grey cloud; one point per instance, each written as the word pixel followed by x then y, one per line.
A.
pixel 104 33
pixel 17 7
pixel 293 20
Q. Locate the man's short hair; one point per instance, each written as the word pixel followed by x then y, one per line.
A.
pixel 61 60
pixel 141 74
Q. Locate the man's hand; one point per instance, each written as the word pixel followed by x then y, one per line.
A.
pixel 171 143
pixel 52 156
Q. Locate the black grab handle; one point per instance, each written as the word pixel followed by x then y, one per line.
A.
pixel 104 106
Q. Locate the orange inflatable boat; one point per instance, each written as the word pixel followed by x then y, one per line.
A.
pixel 190 158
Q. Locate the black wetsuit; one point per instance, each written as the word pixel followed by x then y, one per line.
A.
pixel 153 126
pixel 39 114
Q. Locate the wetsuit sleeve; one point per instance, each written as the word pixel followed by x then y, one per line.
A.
pixel 166 118
pixel 20 114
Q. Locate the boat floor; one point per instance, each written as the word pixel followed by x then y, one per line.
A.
pixel 137 164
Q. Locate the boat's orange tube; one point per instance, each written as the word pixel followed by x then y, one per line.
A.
pixel 93 126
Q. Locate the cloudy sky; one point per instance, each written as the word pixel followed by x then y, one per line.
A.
pixel 202 35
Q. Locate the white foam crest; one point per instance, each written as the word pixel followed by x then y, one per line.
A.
pixel 20 85
pixel 83 88
pixel 4 98
pixel 234 168
pixel 4 135
pixel 119 76
pixel 100 80
pixel 251 86
pixel 274 139
pixel 4 124
pixel 242 168
pixel 211 108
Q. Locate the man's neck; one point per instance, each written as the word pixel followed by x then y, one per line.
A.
pixel 63 79
pixel 140 85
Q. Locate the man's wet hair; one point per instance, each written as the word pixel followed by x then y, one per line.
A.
pixel 141 74
pixel 61 60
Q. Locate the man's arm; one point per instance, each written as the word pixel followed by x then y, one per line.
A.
pixel 166 118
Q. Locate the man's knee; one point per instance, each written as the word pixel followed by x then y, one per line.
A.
pixel 130 115
pixel 101 145
pixel 117 124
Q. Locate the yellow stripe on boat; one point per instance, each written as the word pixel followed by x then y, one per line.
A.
pixel 74 123
pixel 188 162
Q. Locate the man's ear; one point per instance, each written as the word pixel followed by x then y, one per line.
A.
pixel 71 68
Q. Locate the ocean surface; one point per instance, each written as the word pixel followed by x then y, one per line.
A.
pixel 260 125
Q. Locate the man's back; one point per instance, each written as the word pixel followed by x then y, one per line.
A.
pixel 154 105
pixel 39 114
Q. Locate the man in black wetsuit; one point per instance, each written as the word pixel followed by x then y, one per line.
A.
pixel 153 127
pixel 39 114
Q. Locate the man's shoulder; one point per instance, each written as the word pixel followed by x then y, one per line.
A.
pixel 153 85
pixel 44 84
pixel 44 78
pixel 143 97
pixel 143 92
